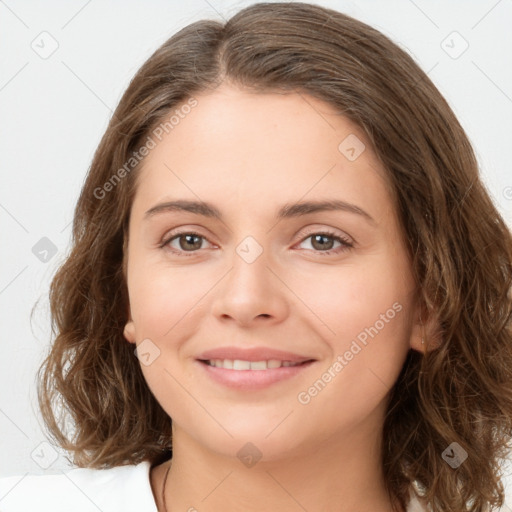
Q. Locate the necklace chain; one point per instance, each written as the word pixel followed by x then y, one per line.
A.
pixel 163 487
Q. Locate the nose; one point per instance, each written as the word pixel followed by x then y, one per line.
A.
pixel 251 294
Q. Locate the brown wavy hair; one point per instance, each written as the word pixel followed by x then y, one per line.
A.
pixel 91 391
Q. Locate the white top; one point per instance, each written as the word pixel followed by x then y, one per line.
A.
pixel 119 489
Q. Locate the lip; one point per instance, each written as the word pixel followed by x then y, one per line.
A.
pixel 250 380
pixel 252 354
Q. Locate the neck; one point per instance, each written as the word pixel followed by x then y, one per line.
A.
pixel 342 474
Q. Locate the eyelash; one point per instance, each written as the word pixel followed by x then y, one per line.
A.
pixel 345 243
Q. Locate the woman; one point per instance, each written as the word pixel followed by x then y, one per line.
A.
pixel 283 245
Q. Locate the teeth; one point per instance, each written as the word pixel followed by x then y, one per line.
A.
pixel 238 364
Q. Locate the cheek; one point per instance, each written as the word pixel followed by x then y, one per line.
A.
pixel 363 313
pixel 368 349
pixel 348 299
pixel 164 299
pixel 369 312
pixel 368 305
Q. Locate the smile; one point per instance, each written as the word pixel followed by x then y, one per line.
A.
pixel 243 375
pixel 238 364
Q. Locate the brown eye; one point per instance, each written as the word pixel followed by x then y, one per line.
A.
pixel 184 242
pixel 323 243
pixel 189 242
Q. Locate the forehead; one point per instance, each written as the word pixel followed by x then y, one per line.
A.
pixel 253 148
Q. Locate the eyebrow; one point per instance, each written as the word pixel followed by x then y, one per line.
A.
pixel 287 211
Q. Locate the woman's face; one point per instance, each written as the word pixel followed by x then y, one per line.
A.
pixel 260 268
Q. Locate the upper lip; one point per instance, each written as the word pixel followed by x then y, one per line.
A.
pixel 252 354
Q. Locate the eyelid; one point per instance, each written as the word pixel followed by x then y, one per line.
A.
pixel 176 232
pixel 306 232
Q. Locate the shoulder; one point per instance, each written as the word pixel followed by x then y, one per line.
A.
pixel 122 488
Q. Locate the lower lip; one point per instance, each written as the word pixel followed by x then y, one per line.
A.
pixel 253 379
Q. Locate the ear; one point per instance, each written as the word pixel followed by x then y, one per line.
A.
pixel 426 331
pixel 129 329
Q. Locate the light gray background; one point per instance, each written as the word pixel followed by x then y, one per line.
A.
pixel 55 108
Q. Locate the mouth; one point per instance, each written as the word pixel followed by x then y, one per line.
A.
pixel 254 368
pixel 243 375
pixel 243 365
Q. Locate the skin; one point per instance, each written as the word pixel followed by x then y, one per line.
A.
pixel 248 154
